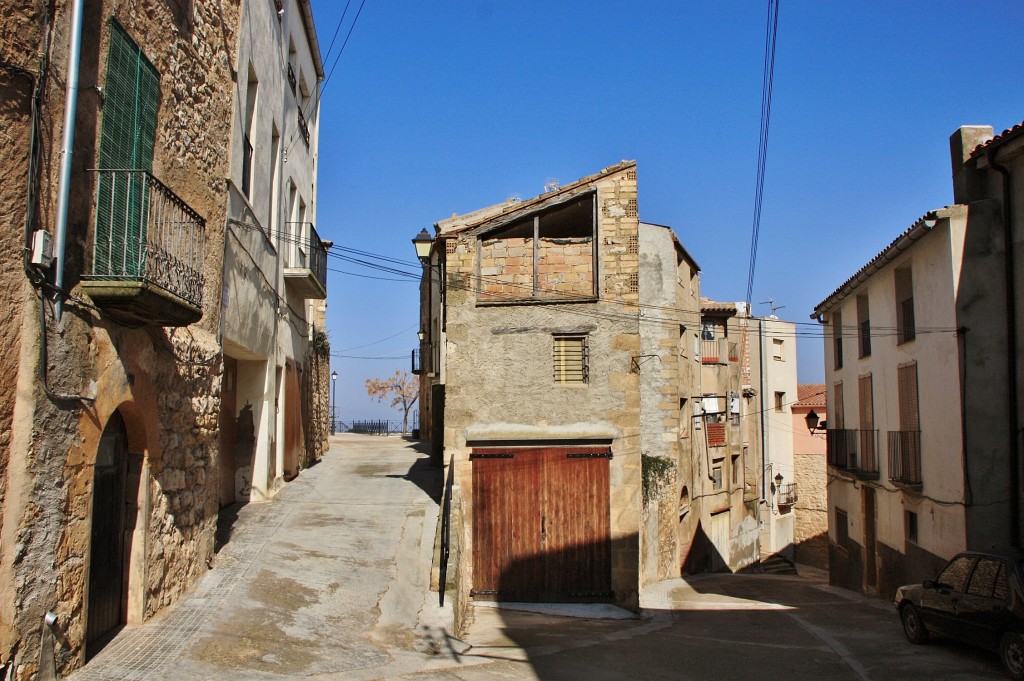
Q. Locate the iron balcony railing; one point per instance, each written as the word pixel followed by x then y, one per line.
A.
pixel 855 450
pixel 787 494
pixel 317 256
pixel 905 457
pixel 146 232
pixel 291 80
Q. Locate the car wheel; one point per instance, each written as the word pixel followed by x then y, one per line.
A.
pixel 913 625
pixel 1011 650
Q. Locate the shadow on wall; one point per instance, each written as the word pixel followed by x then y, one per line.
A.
pixel 813 551
pixel 703 556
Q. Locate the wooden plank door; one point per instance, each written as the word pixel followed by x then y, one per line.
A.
pixel 576 525
pixel 506 525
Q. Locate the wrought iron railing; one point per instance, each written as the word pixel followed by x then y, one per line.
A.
pixel 446 530
pixel 291 80
pixel 417 362
pixel 787 494
pixel 905 456
pixel 146 232
pixel 866 463
pixel 841 444
pixel 309 252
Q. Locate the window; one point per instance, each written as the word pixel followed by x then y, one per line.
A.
pixel 905 328
pixel 684 419
pixel 988 579
pixel 866 407
pixel 716 474
pixel 570 359
pixel 682 340
pixel 911 526
pixel 864 326
pixel 906 376
pixel 836 414
pixel 251 90
pixel 956 573
pixel 837 339
pixel 127 137
pixel 707 331
pixel 777 349
pixel 736 467
pixel 842 529
pixel 780 401
pixel 549 255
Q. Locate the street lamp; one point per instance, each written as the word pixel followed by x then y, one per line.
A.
pixel 814 423
pixel 423 242
pixel 334 396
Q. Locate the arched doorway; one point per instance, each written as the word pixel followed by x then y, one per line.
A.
pixel 107 575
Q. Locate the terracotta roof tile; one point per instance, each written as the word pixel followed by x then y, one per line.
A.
pixel 1004 136
pixel 810 395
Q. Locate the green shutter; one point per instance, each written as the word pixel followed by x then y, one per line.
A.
pixel 127 135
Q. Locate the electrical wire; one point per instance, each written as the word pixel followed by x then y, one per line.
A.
pixel 771 31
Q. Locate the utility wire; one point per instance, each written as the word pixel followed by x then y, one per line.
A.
pixel 771 31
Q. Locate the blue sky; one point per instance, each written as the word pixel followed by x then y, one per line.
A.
pixel 446 107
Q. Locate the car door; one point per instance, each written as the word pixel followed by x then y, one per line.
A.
pixel 940 606
pixel 984 608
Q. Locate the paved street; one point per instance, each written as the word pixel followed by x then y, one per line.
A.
pixel 329 581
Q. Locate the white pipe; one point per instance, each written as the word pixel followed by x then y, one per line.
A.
pixel 64 183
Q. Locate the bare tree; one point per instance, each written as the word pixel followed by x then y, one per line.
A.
pixel 402 389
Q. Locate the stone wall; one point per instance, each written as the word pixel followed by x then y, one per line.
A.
pixel 810 532
pixel 165 383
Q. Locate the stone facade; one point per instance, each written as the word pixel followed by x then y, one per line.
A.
pixel 810 533
pixel 95 390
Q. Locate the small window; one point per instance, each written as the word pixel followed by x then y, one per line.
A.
pixel 905 327
pixel 570 359
pixel 707 331
pixel 956 573
pixel 736 470
pixel 864 326
pixel 684 419
pixel 837 340
pixel 842 529
pixel 911 526
pixel 780 401
pixel 716 473
pixel 777 349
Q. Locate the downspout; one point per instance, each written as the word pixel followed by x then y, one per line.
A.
pixel 760 420
pixel 1009 272
pixel 67 143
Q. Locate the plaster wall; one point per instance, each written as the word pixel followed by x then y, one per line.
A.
pixel 810 465
pixel 504 350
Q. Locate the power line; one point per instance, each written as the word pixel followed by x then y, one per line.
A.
pixel 771 31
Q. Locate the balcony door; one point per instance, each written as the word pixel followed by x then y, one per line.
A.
pixel 131 95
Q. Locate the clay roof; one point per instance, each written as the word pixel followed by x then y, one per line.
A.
pixel 1001 138
pixel 462 223
pixel 810 395
pixel 708 305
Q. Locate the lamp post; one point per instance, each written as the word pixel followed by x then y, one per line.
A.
pixel 424 245
pixel 334 395
pixel 814 423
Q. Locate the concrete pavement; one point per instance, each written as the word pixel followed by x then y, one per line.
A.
pixel 329 581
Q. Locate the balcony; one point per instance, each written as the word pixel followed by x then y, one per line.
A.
pixel 303 127
pixel 291 80
pixel 718 351
pixel 787 494
pixel 905 458
pixel 148 250
pixel 305 269
pixel 854 450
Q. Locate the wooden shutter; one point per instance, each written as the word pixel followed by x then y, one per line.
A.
pixel 127 137
pixel 838 417
pixel 907 378
pixel 866 408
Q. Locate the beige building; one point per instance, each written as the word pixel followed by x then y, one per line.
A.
pixel 923 381
pixel 553 386
pixel 810 468
pixel 738 507
pixel 123 128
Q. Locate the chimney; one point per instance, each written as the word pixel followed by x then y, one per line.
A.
pixel 968 182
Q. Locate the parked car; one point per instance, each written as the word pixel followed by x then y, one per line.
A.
pixel 977 598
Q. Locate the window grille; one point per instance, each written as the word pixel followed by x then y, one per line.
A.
pixel 570 360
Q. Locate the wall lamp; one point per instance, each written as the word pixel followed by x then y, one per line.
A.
pixel 814 424
pixel 421 334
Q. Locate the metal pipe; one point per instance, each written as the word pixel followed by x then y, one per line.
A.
pixel 67 143
pixel 1013 423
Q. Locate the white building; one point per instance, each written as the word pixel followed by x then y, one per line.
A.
pixel 275 265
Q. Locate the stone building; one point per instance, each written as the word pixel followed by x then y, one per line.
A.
pixel 546 376
pixel 275 264
pixel 810 533
pixel 737 505
pixel 120 119
pixel 923 381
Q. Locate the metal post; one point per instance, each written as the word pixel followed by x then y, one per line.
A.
pixel 334 402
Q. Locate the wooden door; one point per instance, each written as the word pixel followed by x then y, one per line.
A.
pixel 541 528
pixel 106 567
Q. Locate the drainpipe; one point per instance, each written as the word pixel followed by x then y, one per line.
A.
pixel 1013 422
pixel 64 183
pixel 764 441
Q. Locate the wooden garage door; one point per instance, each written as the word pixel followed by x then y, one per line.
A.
pixel 541 528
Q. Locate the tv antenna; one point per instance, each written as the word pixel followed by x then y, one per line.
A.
pixel 771 303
